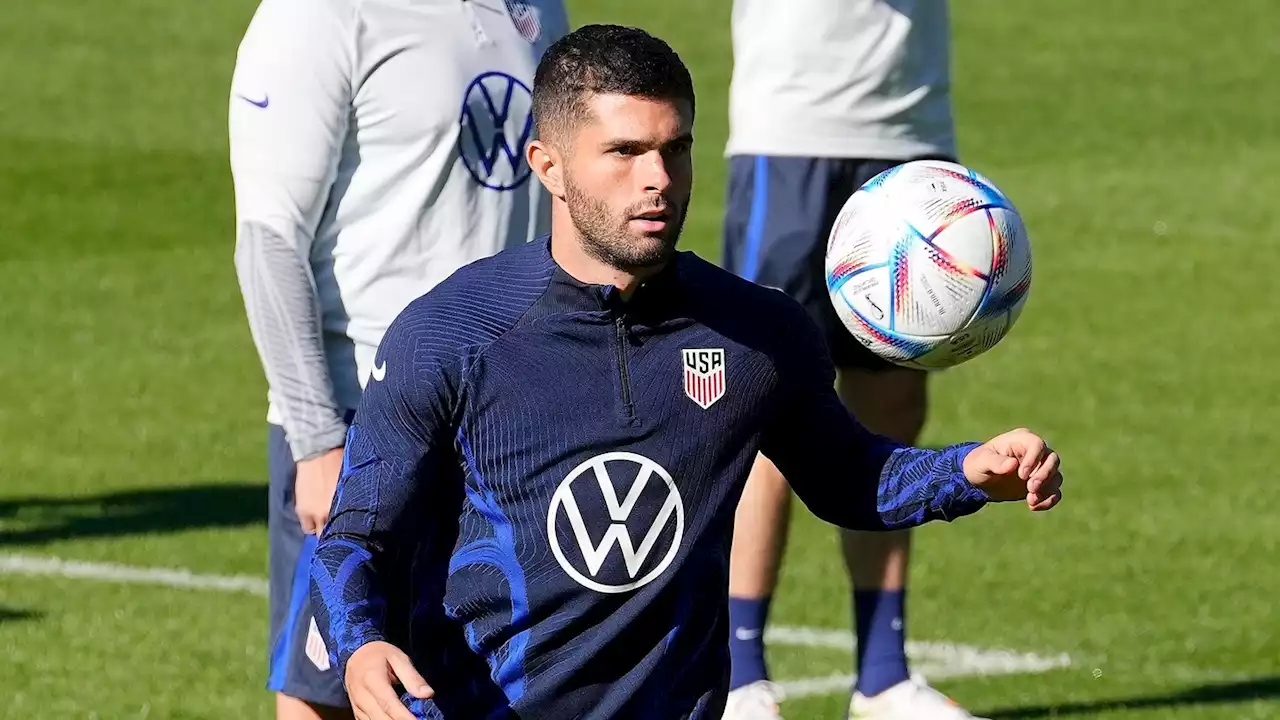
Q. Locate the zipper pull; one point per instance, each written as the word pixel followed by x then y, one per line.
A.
pixel 477 30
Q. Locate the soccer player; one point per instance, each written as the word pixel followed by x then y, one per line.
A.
pixel 538 493
pixel 376 148
pixel 824 96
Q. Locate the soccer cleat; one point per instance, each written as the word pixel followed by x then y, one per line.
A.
pixel 754 701
pixel 908 700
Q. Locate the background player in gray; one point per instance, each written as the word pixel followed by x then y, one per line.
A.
pixel 375 148
pixel 824 96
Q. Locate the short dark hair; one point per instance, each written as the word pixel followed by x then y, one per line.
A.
pixel 600 59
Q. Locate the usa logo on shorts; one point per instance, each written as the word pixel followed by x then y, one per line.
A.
pixel 317 653
pixel 704 380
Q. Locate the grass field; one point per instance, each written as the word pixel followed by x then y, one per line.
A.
pixel 1139 139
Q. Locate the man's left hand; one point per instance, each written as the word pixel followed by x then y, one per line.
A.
pixel 1015 466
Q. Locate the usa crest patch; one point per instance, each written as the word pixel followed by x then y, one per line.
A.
pixel 704 378
pixel 525 19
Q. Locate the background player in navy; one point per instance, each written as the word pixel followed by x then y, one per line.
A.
pixel 538 495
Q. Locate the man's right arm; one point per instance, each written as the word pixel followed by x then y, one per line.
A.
pixel 290 98
pixel 404 422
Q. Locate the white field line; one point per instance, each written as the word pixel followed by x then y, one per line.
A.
pixel 933 659
pixel 109 572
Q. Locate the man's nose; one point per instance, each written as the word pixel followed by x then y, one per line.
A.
pixel 653 172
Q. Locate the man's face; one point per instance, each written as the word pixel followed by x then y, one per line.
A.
pixel 627 178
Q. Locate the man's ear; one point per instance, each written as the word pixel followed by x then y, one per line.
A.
pixel 546 163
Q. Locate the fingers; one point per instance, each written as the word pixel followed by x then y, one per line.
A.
pixel 314 486
pixel 311 523
pixel 312 515
pixel 304 519
pixel 371 671
pixel 1044 472
pixel 1044 485
pixel 1039 504
pixel 1032 449
pixel 377 700
pixel 409 677
pixel 1022 452
pixel 363 707
pixel 391 705
pixel 1046 494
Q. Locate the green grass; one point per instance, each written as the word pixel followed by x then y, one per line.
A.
pixel 1139 139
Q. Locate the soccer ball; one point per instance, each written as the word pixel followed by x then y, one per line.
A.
pixel 928 264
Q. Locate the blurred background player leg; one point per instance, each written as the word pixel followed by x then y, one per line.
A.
pixel 760 536
pixel 891 402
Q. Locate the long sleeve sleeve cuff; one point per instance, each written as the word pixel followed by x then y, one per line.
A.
pixel 958 497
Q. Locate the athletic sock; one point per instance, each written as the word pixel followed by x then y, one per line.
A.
pixel 747 617
pixel 880 617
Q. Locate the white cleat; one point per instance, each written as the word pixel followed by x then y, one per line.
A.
pixel 908 700
pixel 754 701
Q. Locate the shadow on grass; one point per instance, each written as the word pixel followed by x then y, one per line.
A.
pixel 1264 688
pixel 35 520
pixel 14 614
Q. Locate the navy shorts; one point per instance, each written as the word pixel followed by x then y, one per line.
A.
pixel 777 219
pixel 299 664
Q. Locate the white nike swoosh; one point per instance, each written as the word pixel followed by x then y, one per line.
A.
pixel 379 372
pixel 745 634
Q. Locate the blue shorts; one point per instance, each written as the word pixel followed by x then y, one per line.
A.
pixel 778 216
pixel 298 662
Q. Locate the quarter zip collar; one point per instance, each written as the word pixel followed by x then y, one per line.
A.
pixel 654 300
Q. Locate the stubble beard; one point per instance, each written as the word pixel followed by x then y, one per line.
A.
pixel 607 238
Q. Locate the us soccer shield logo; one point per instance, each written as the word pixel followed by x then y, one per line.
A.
pixel 704 380
pixel 525 18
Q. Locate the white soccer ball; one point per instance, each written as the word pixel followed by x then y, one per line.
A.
pixel 928 264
